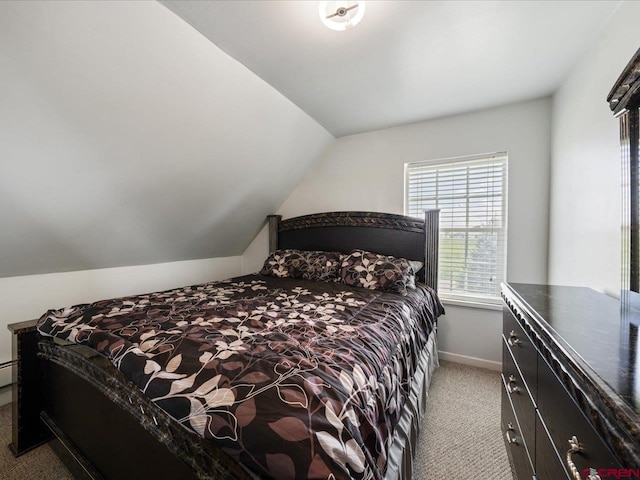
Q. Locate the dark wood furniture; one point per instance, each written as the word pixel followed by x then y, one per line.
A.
pixel 396 235
pixel 571 393
pixel 624 101
pixel 75 395
pixel 28 431
pixel 571 376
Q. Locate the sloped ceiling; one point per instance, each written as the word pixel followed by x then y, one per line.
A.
pixel 406 61
pixel 127 138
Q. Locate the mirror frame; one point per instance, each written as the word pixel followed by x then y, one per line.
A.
pixel 624 101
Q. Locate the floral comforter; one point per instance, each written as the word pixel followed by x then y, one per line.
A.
pixel 292 378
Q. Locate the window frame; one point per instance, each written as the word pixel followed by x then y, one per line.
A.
pixel 468 299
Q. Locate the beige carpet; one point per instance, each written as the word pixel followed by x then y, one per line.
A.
pixel 38 464
pixel 460 437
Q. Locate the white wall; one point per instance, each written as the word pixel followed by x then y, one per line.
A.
pixel 365 172
pixel 128 138
pixel 28 297
pixel 585 217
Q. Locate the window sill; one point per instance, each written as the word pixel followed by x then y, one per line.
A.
pixel 471 304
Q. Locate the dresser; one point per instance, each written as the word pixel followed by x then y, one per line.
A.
pixel 570 384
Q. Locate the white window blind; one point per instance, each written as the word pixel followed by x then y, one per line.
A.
pixel 471 193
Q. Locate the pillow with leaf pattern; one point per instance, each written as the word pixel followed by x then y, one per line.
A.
pixel 377 272
pixel 323 266
pixel 284 264
pixel 308 265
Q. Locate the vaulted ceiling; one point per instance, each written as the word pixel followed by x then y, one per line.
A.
pixel 128 137
pixel 407 60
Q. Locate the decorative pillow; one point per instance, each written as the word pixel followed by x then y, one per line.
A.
pixel 308 265
pixel 284 264
pixel 323 266
pixel 377 272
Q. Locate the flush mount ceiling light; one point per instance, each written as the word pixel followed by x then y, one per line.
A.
pixel 341 15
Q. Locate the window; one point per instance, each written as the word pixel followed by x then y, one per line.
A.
pixel 471 193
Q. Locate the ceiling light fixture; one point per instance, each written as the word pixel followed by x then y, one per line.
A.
pixel 341 15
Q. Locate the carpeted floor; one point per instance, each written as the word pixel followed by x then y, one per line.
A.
pixel 461 435
pixel 460 438
pixel 38 464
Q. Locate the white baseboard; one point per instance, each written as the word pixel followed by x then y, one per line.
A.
pixel 473 361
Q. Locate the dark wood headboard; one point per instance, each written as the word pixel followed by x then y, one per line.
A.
pixel 384 233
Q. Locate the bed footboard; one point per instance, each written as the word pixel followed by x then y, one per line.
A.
pixel 89 400
pixel 28 431
pixel 75 396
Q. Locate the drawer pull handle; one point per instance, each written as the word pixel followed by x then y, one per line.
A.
pixel 511 440
pixel 511 389
pixel 574 447
pixel 513 339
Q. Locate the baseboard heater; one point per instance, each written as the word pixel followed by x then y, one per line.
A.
pixel 6 378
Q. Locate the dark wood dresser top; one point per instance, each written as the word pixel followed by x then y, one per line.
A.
pixel 593 346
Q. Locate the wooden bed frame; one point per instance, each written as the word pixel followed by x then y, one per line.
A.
pixel 68 393
pixel 385 233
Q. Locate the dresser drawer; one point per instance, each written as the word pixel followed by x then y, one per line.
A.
pixel 522 349
pixel 519 395
pixel 549 465
pixel 516 447
pixel 564 420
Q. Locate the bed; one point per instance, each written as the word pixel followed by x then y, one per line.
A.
pixel 296 372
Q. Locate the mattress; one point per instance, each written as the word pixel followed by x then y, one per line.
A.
pixel 291 378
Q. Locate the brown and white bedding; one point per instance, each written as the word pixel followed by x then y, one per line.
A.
pixel 293 378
